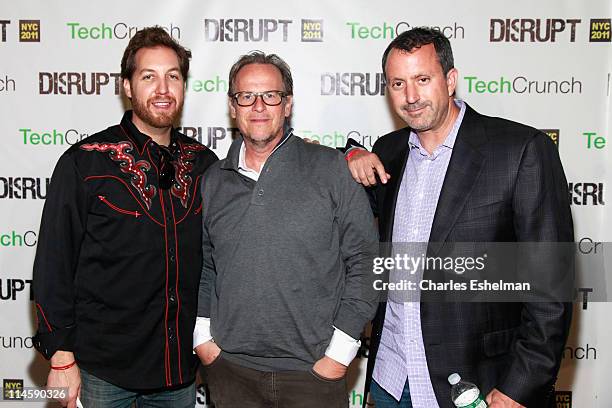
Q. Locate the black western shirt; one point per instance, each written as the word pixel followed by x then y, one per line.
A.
pixel 118 262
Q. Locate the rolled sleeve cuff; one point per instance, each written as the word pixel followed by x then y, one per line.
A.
pixel 342 347
pixel 201 332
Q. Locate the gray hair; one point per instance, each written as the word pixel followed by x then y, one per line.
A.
pixel 259 57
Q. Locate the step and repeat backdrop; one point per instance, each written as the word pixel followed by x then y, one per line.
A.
pixel 546 63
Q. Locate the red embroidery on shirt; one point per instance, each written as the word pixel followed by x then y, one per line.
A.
pixel 120 152
pixel 183 166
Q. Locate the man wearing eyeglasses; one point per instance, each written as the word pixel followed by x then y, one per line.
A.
pixel 288 239
pixel 119 258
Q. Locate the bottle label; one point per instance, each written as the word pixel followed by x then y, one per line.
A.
pixel 478 403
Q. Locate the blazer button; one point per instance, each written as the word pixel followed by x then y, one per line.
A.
pixel 260 192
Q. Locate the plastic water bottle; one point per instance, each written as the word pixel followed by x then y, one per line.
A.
pixel 465 394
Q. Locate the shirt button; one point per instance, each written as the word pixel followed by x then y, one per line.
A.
pixel 260 192
pixel 171 250
pixel 172 258
pixel 172 298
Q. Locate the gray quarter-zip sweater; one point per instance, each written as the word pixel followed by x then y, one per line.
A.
pixel 286 258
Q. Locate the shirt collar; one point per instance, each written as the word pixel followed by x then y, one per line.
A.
pixel 449 142
pixel 140 139
pixel 235 156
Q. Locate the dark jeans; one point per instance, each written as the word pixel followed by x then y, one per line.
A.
pixel 97 393
pixel 385 400
pixel 232 385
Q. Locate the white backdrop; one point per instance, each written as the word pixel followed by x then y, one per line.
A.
pixel 555 77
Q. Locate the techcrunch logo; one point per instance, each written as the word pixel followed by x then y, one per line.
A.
pixel 580 353
pixel 118 31
pixel 216 84
pixel 16 342
pixel 522 85
pixel 77 83
pixel 51 137
pixel 387 31
pixel 7 84
pixel 338 139
pixel 15 239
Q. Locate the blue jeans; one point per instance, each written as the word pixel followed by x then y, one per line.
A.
pixel 97 393
pixel 385 400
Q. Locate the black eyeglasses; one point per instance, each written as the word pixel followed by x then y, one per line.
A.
pixel 270 98
pixel 166 169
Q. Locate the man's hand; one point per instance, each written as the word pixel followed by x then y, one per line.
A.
pixel 329 368
pixel 69 378
pixel 497 399
pixel 208 352
pixel 364 167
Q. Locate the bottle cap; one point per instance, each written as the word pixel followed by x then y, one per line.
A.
pixel 454 378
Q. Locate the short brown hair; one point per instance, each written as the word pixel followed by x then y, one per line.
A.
pixel 418 37
pixel 259 57
pixel 151 37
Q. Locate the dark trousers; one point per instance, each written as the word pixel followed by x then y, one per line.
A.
pixel 232 385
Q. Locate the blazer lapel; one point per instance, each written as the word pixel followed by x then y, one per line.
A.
pixel 463 170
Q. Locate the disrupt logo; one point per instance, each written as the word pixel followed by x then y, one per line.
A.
pixel 531 29
pixel 338 139
pixel 521 85
pixel 3 24
pixel 600 30
pixel 209 136
pixel 391 30
pixel 29 30
pixel 24 187
pixel 51 137
pixel 117 31
pixel 553 134
pixel 312 30
pixel 9 288
pixel 15 239
pixel 14 342
pixel 352 83
pixel 580 353
pixel 77 83
pixel 586 193
pixel 7 84
pixel 247 30
pixel 563 399
pixel 10 388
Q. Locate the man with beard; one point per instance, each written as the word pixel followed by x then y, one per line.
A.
pixel 119 258
pixel 288 243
